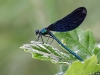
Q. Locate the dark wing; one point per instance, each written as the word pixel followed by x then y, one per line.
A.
pixel 70 22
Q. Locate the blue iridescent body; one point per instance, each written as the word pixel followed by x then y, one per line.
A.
pixel 68 23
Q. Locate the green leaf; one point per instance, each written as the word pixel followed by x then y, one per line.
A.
pixel 88 67
pixel 79 41
pixel 96 51
pixel 45 52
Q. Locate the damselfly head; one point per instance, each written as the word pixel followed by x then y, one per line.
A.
pixel 37 32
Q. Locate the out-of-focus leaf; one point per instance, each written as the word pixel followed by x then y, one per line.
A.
pixel 88 67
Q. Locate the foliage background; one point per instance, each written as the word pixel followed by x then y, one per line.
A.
pixel 20 18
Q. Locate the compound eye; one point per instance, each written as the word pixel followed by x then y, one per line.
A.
pixel 37 32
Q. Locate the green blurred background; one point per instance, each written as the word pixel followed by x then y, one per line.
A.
pixel 20 18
